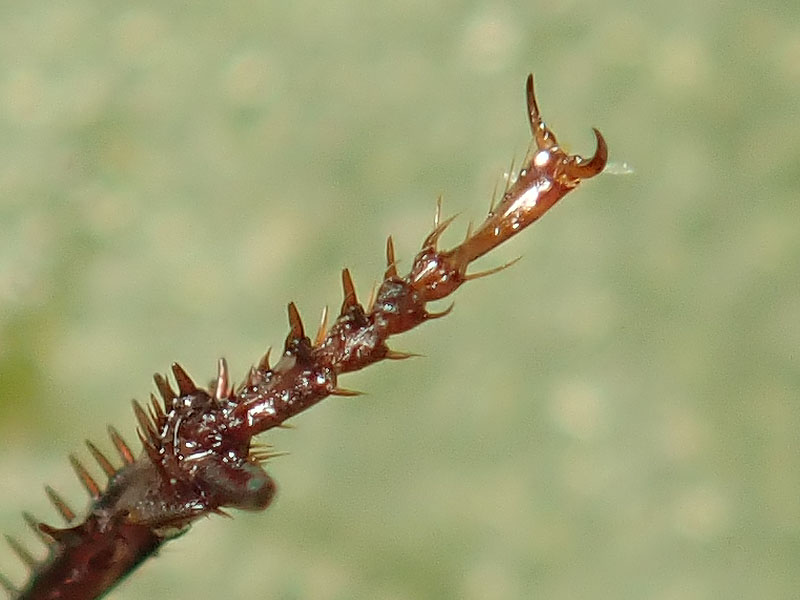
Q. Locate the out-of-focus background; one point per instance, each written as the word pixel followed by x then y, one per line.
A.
pixel 615 417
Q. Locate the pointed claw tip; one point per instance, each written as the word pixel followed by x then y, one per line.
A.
pixel 530 94
pixel 544 138
pixel 586 168
pixel 601 154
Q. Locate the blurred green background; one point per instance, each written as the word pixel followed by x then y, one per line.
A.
pixel 614 417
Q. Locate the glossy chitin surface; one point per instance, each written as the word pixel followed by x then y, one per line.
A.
pixel 198 455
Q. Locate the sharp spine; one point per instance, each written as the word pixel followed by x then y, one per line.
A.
pixel 263 364
pixel 66 512
pixel 59 536
pixel 510 178
pixel 350 298
pixel 437 215
pixel 391 262
pixel 433 237
pixel 439 315
pixel 101 459
pixel 222 389
pixel 186 386
pixel 372 295
pixel 6 584
pixel 33 523
pixel 296 330
pixel 148 447
pixel 397 355
pixel 165 389
pixel 487 272
pixel 493 199
pixel 157 412
pixel 144 421
pixel 344 392
pixel 323 328
pixel 252 375
pixel 119 443
pixel 21 552
pixel 86 479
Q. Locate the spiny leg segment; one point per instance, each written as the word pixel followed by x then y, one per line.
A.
pixel 198 451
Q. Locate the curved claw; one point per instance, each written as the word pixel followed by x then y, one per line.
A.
pixel 584 169
pixel 545 139
pixel 533 107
